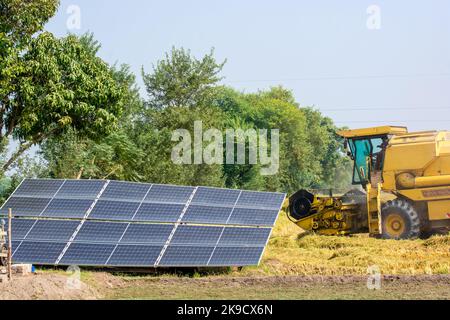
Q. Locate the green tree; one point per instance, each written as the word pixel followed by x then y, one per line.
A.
pixel 181 90
pixel 54 84
pixel 181 80
pixel 114 155
pixel 310 151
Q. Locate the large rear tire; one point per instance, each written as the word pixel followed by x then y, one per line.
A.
pixel 399 220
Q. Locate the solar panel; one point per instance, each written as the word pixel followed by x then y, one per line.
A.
pixel 14 245
pixel 24 206
pixel 52 230
pixel 38 188
pixel 125 191
pixel 169 194
pixel 98 232
pixel 196 235
pixel 114 210
pixel 81 189
pixel 38 252
pixel 87 254
pixel 268 200
pixel 253 217
pixel 186 256
pixel 113 223
pixel 159 212
pixel 147 233
pixel 67 208
pixel 135 256
pixel 244 236
pixel 20 228
pixel 207 214
pixel 236 256
pixel 214 196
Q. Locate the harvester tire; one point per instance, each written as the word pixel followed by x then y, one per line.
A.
pixel 399 220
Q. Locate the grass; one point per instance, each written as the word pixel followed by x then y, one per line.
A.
pixel 291 252
pixel 273 290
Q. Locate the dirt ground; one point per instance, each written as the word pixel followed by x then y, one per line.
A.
pixel 45 287
pixel 103 285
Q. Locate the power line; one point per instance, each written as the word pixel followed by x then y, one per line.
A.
pixel 349 77
pixel 390 121
pixel 375 108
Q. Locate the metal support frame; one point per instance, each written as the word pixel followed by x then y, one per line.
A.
pixel 125 231
pixel 175 227
pixel 83 220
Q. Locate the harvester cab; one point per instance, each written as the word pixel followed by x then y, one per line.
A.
pixel 367 149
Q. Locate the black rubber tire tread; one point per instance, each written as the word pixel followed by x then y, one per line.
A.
pixel 409 214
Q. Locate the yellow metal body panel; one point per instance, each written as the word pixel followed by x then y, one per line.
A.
pixel 426 194
pixel 390 130
pixel 439 210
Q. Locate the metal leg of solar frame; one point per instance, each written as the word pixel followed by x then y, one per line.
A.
pixel 166 245
pixel 72 238
pixel 220 237
pixel 132 218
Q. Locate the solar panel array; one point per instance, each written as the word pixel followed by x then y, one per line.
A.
pixel 113 223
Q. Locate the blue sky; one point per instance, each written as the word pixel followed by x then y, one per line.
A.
pixel 322 50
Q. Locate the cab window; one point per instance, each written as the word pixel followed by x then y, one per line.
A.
pixel 368 155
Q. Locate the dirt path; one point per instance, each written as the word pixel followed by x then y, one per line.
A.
pixel 101 285
pixel 284 287
pixel 46 287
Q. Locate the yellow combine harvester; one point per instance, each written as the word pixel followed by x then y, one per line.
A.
pixel 406 178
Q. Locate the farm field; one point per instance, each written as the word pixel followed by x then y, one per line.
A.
pixel 294 266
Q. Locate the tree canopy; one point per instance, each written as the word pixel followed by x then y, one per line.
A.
pixel 51 85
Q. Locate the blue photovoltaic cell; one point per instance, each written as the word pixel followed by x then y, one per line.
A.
pixel 196 235
pixel 52 230
pixel 113 210
pixel 101 232
pixel 169 194
pixel 187 256
pixel 87 254
pixel 135 256
pixel 244 237
pixel 24 206
pixel 267 200
pixel 236 256
pixel 256 217
pixel 38 252
pixel 67 208
pixel 126 191
pixel 147 233
pixel 80 189
pixel 38 188
pixel 14 245
pixel 20 227
pixel 214 196
pixel 159 212
pixel 207 214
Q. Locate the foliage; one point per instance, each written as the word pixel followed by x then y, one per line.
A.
pixel 181 80
pixel 50 85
